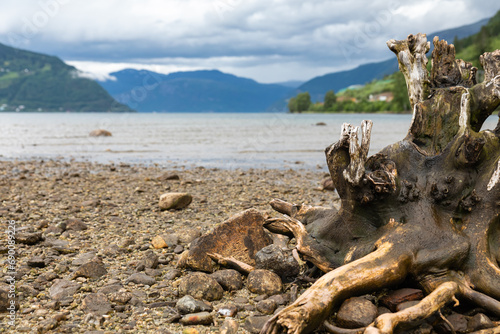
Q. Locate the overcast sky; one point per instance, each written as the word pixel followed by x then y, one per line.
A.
pixel 266 40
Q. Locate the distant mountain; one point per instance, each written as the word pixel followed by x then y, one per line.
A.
pixel 291 83
pixel 318 86
pixel 36 82
pixel 195 91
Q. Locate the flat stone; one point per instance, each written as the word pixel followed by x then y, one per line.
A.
pixel 76 225
pixel 36 262
pixel 63 289
pixel 175 201
pixel 262 281
pixel 92 269
pixel 168 177
pixel 202 318
pixel 200 286
pixel 356 312
pixel 141 278
pixel 254 324
pixel 96 303
pixel 267 306
pixel 29 238
pixel 111 288
pixel 458 321
pixel 189 234
pixel 229 279
pixel 188 304
pixel 241 236
pixel 396 297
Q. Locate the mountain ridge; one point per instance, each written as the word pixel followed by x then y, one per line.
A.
pixel 31 81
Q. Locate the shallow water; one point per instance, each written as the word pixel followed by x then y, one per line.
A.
pixel 223 140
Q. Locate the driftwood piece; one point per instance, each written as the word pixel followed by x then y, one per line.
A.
pixel 426 208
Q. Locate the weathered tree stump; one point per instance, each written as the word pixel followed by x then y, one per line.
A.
pixel 426 208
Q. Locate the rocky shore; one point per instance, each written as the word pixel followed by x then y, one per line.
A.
pixel 70 214
pixel 97 251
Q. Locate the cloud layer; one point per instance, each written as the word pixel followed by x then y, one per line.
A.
pixel 268 40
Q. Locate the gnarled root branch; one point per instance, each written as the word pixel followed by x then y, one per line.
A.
pixel 305 243
pixel 376 270
pixel 386 323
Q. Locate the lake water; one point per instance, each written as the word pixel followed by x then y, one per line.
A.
pixel 224 140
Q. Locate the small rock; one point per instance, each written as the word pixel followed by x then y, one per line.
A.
pixel 478 322
pixel 229 279
pixel 254 324
pixel 175 201
pixel 356 312
pixel 4 300
pixel 202 318
pixel 281 299
pixel 141 278
pixel 321 124
pixel 396 297
pixel 165 241
pixel 29 238
pixel 458 321
pixel 100 133
pixel 173 274
pixel 278 261
pixel 168 177
pixel 327 184
pixel 150 260
pixel 93 269
pixel 46 277
pixel 229 326
pixel 47 326
pixel 188 304
pixel 178 249
pixel 36 262
pixel 262 281
pixel 201 286
pixel 228 310
pixel 96 303
pixel 76 225
pixel 27 290
pixel 62 289
pixel 120 297
pixel 267 306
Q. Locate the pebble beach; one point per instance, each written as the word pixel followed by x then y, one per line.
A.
pixel 69 213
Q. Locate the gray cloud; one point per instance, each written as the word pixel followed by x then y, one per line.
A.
pixel 268 40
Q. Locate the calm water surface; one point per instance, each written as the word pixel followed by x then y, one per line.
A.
pixel 234 140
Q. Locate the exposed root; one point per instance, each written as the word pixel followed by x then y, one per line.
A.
pixel 305 244
pixel 338 330
pixel 480 299
pixel 443 294
pixel 242 267
pixel 376 270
